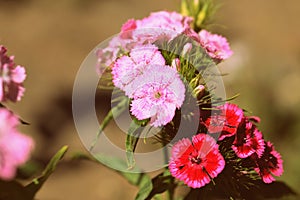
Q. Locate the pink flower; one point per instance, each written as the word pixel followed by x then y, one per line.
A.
pixel 127 68
pixel 270 163
pixel 126 30
pixel 11 78
pixel 156 94
pixel 225 121
pixel 158 26
pixel 248 140
pixel 216 46
pixel 196 162
pixel 161 25
pixel 116 47
pixel 15 148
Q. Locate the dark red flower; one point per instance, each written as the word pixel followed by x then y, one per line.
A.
pixel 224 120
pixel 196 162
pixel 248 140
pixel 269 164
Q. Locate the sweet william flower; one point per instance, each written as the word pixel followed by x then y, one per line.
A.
pixel 269 164
pixel 216 46
pixel 127 28
pixel 161 25
pixel 15 148
pixel 11 78
pixel 224 120
pixel 127 68
pixel 196 162
pixel 156 94
pixel 248 140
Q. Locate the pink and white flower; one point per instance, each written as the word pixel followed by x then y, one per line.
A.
pixel 128 68
pixel 156 94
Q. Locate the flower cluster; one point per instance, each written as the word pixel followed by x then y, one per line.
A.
pixel 160 71
pixel 197 165
pixel 15 148
pixel 140 70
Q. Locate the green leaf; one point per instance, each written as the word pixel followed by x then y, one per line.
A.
pixel 37 183
pixel 132 139
pixel 145 188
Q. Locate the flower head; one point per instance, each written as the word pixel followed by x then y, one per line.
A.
pixel 196 162
pixel 160 25
pixel 15 147
pixel 156 94
pixel 248 140
pixel 11 78
pixel 270 163
pixel 224 122
pixel 127 28
pixel 128 68
pixel 216 46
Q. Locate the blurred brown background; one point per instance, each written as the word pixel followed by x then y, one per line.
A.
pixel 51 39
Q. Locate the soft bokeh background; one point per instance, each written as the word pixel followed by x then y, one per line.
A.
pixel 51 39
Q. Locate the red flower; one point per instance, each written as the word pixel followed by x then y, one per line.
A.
pixel 270 163
pixel 248 140
pixel 196 162
pixel 226 121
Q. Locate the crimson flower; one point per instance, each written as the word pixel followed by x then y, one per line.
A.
pixel 226 121
pixel 196 162
pixel 270 163
pixel 248 140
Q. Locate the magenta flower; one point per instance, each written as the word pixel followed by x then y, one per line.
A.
pixel 156 94
pixel 248 140
pixel 216 46
pixel 196 162
pixel 11 78
pixel 128 68
pixel 15 148
pixel 225 122
pixel 270 163
pixel 127 28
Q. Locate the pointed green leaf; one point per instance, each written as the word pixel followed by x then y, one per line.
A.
pixel 37 183
pixel 131 142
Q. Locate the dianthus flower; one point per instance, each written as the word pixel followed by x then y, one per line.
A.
pixel 224 120
pixel 270 163
pixel 15 148
pixel 196 162
pixel 11 78
pixel 161 25
pixel 216 46
pixel 248 140
pixel 156 94
pixel 128 68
